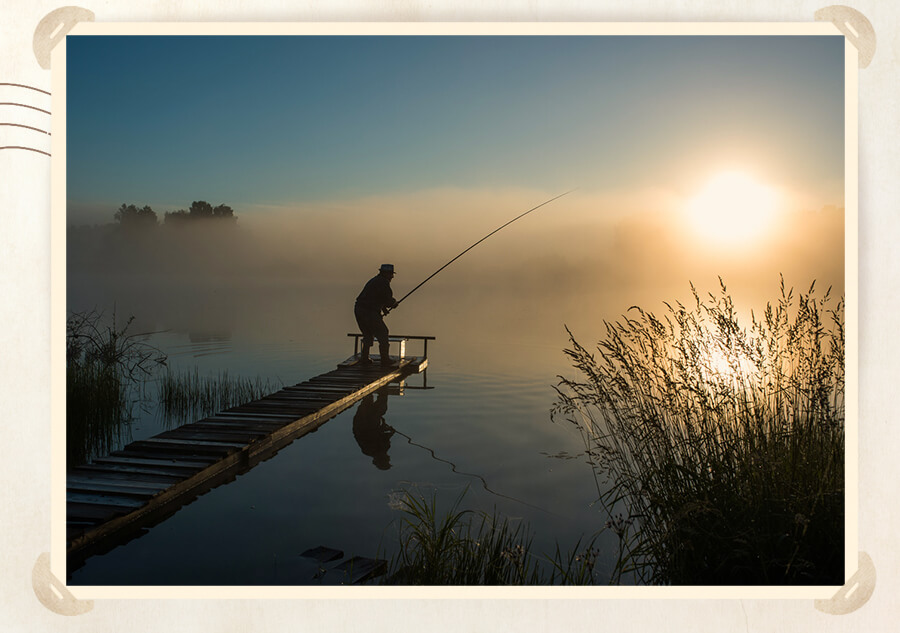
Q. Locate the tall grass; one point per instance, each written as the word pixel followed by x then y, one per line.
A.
pixel 105 369
pixel 464 547
pixel 719 448
pixel 186 396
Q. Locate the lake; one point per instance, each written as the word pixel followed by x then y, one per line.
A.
pixel 482 428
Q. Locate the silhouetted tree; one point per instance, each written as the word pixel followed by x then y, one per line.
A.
pixel 131 216
pixel 201 209
pixel 175 218
pixel 224 212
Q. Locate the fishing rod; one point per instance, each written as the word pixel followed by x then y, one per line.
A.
pixel 477 243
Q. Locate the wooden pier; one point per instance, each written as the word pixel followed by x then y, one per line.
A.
pixel 115 497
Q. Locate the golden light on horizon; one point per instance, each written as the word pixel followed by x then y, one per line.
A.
pixel 733 208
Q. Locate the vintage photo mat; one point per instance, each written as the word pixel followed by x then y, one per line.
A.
pixel 58 274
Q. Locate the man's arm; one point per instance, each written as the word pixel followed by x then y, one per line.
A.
pixel 388 301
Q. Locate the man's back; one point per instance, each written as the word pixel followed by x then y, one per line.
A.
pixel 376 294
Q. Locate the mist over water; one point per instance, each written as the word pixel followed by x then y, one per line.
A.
pixel 579 261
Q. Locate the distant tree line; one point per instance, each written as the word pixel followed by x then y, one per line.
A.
pixel 137 239
pixel 133 217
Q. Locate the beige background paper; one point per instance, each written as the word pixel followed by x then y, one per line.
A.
pixel 25 258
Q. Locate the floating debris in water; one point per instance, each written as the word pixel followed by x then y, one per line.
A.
pixel 397 499
pixel 559 455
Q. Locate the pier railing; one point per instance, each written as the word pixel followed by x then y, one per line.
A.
pixel 396 338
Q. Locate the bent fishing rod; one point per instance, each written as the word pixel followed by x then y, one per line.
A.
pixel 546 202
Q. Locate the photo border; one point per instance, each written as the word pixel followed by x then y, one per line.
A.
pixel 58 305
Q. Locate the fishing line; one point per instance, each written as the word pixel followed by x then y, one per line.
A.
pixel 479 477
pixel 479 242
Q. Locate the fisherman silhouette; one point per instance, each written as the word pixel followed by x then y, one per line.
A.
pixel 371 306
pixel 370 430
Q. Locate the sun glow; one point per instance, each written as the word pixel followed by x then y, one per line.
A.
pixel 733 208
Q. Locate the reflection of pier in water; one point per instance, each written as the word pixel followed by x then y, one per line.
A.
pixel 115 497
pixel 370 430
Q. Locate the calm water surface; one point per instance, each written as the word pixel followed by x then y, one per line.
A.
pixel 483 429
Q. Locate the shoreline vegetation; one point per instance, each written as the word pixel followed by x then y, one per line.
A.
pixel 109 373
pixel 106 372
pixel 465 547
pixel 186 396
pixel 718 454
pixel 717 450
pixel 720 449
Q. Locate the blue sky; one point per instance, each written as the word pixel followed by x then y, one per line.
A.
pixel 285 121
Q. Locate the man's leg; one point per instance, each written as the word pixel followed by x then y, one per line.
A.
pixel 381 333
pixel 365 326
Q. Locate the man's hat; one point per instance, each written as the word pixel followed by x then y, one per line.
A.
pixel 386 268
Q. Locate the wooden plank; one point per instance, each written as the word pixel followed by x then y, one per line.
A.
pixel 202 453
pixel 287 414
pixel 137 461
pixel 111 485
pixel 82 512
pixel 238 411
pixel 310 386
pixel 196 431
pixel 118 479
pixel 245 436
pixel 196 452
pixel 111 500
pixel 288 408
pixel 348 383
pixel 238 426
pixel 245 414
pixel 348 373
pixel 261 417
pixel 103 488
pixel 124 469
pixel 296 408
pixel 309 394
pixel 294 400
pixel 201 444
pixel 236 418
pixel 361 569
pixel 167 470
pixel 308 403
pixel 190 458
pixel 323 554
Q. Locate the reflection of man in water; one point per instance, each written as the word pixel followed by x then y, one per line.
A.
pixel 375 298
pixel 370 430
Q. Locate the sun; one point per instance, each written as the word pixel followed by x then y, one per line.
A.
pixel 733 208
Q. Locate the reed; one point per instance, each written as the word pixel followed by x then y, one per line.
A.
pixel 465 547
pixel 105 369
pixel 718 450
pixel 97 411
pixel 186 396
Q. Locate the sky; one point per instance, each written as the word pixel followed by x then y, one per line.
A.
pixel 278 122
pixel 687 158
